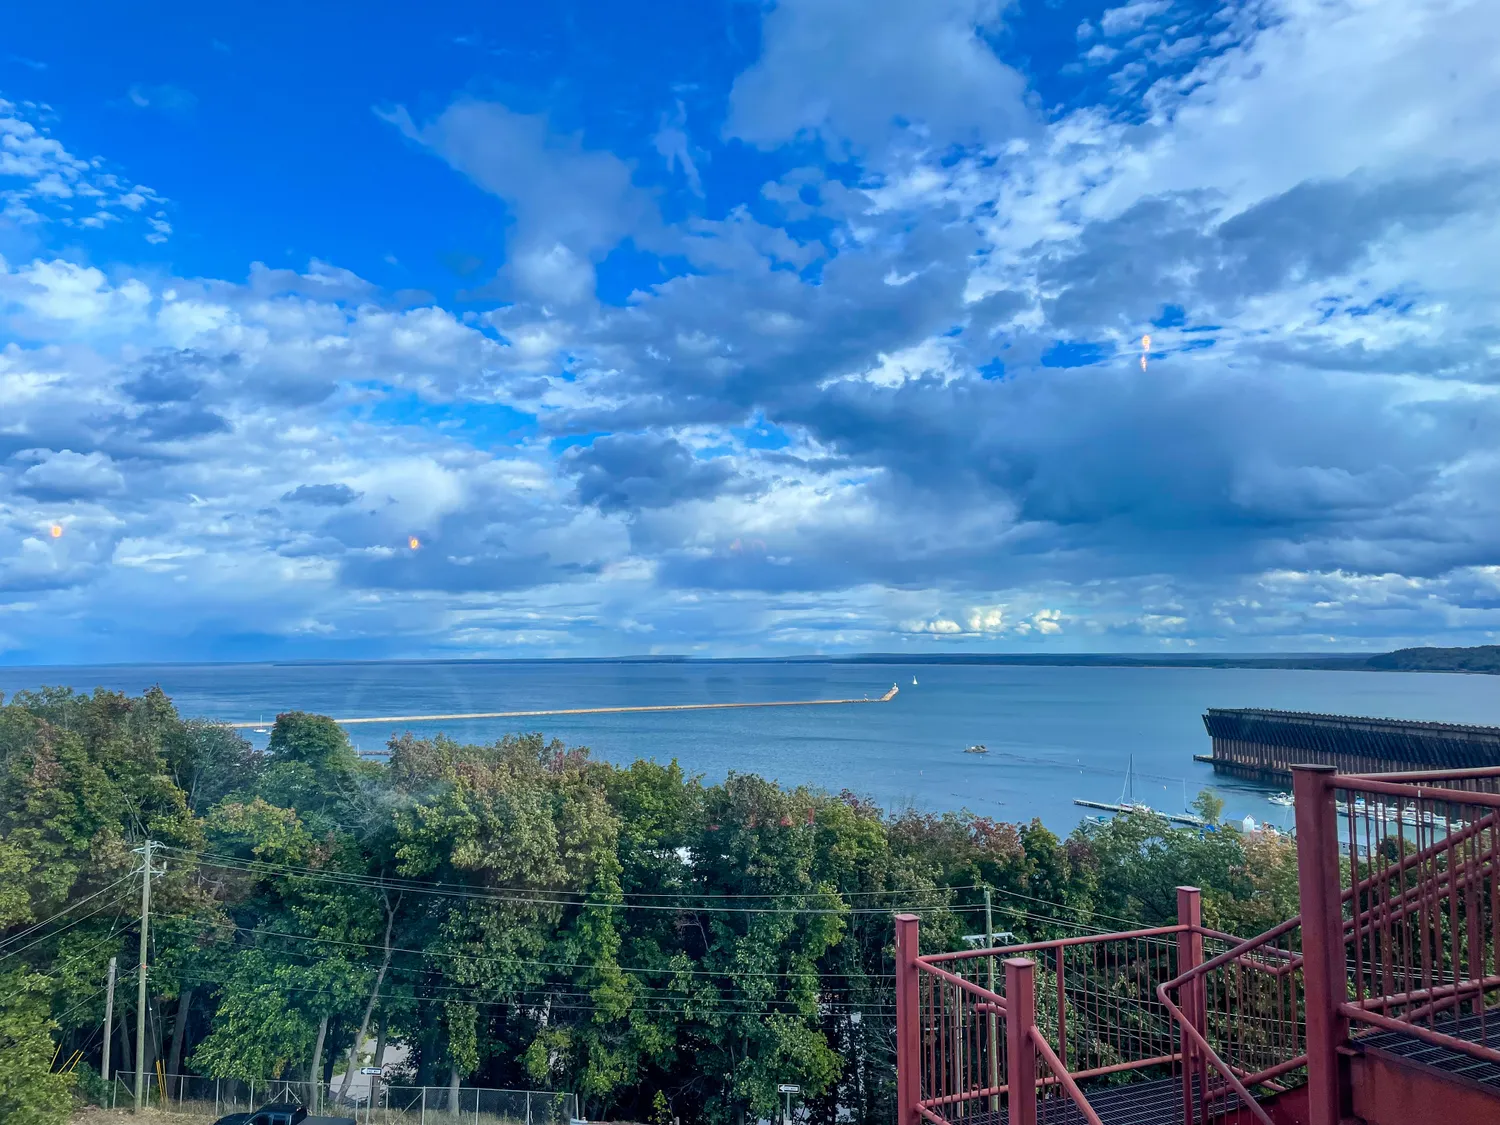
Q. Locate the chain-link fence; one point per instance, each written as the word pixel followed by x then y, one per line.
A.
pixel 436 1105
pixel 210 1098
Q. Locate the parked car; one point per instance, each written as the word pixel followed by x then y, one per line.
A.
pixel 281 1113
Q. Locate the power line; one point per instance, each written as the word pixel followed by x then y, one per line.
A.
pixel 714 1011
pixel 70 907
pixel 518 960
pixel 527 897
pixel 1074 909
pixel 56 932
pixel 82 955
pixel 523 896
pixel 81 1003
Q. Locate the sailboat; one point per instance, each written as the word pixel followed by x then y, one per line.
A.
pixel 1129 804
pixel 1127 794
pixel 260 728
pixel 914 681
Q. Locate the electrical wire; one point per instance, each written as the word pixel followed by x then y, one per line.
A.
pixel 70 907
pixel 82 955
pixel 714 1011
pixel 665 971
pixel 528 897
pixel 54 933
pixel 536 898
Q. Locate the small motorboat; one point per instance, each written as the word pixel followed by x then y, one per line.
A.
pixel 978 748
pixel 1285 800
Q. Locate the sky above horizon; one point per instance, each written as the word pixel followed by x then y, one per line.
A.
pixel 731 328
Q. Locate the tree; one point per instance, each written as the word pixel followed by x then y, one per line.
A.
pixel 30 1093
pixel 1209 806
pixel 517 913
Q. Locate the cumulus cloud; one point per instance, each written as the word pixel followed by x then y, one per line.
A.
pixel 906 406
pixel 570 203
pixel 623 472
pixel 851 71
pixel 323 495
pixel 65 475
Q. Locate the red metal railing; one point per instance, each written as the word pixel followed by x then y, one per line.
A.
pixel 1243 1004
pixel 1060 1011
pixel 1423 925
pixel 1399 881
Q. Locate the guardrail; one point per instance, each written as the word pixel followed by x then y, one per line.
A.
pixel 1399 930
pixel 1061 1011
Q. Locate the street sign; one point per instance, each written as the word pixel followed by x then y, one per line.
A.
pixel 785 1088
pixel 370 1070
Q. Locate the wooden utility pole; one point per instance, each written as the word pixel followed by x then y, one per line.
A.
pixel 109 1017
pixel 140 991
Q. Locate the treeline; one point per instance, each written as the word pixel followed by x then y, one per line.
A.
pixel 515 915
pixel 1480 658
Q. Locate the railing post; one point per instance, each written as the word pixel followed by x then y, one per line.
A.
pixel 908 1022
pixel 1191 999
pixel 1020 1058
pixel 1324 969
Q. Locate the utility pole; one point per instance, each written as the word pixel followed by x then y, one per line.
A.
pixel 109 1018
pixel 140 992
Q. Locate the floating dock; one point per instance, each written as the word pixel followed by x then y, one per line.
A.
pixel 1176 818
pixel 457 717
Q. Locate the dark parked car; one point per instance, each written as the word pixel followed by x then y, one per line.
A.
pixel 281 1113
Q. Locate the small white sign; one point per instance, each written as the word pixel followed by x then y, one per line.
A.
pixel 788 1089
pixel 370 1070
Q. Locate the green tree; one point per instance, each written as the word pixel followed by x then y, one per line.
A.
pixel 1209 806
pixel 30 1093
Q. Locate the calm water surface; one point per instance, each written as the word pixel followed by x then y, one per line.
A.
pixel 1053 733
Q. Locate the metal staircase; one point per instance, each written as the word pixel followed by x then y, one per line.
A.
pixel 1376 1003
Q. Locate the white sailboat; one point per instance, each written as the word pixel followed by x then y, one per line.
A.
pixel 260 727
pixel 914 681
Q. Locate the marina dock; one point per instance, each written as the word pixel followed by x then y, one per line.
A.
pixel 649 708
pixel 1176 818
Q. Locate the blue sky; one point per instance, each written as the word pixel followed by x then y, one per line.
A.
pixel 729 328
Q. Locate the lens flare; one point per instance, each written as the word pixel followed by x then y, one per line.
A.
pixel 413 542
pixel 57 531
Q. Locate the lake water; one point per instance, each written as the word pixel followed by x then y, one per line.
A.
pixel 1054 733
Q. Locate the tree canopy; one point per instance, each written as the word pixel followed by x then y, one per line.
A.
pixel 517 914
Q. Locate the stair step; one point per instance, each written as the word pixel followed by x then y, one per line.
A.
pixel 1138 1103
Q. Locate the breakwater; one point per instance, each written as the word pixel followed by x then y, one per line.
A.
pixel 646 708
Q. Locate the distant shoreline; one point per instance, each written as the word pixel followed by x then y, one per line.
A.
pixel 1481 660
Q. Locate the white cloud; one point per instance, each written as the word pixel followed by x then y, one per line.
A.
pixel 564 197
pixel 862 437
pixel 671 141
pixel 52 179
pixel 61 291
pixel 65 475
pixel 1129 17
pixel 938 626
pixel 846 70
